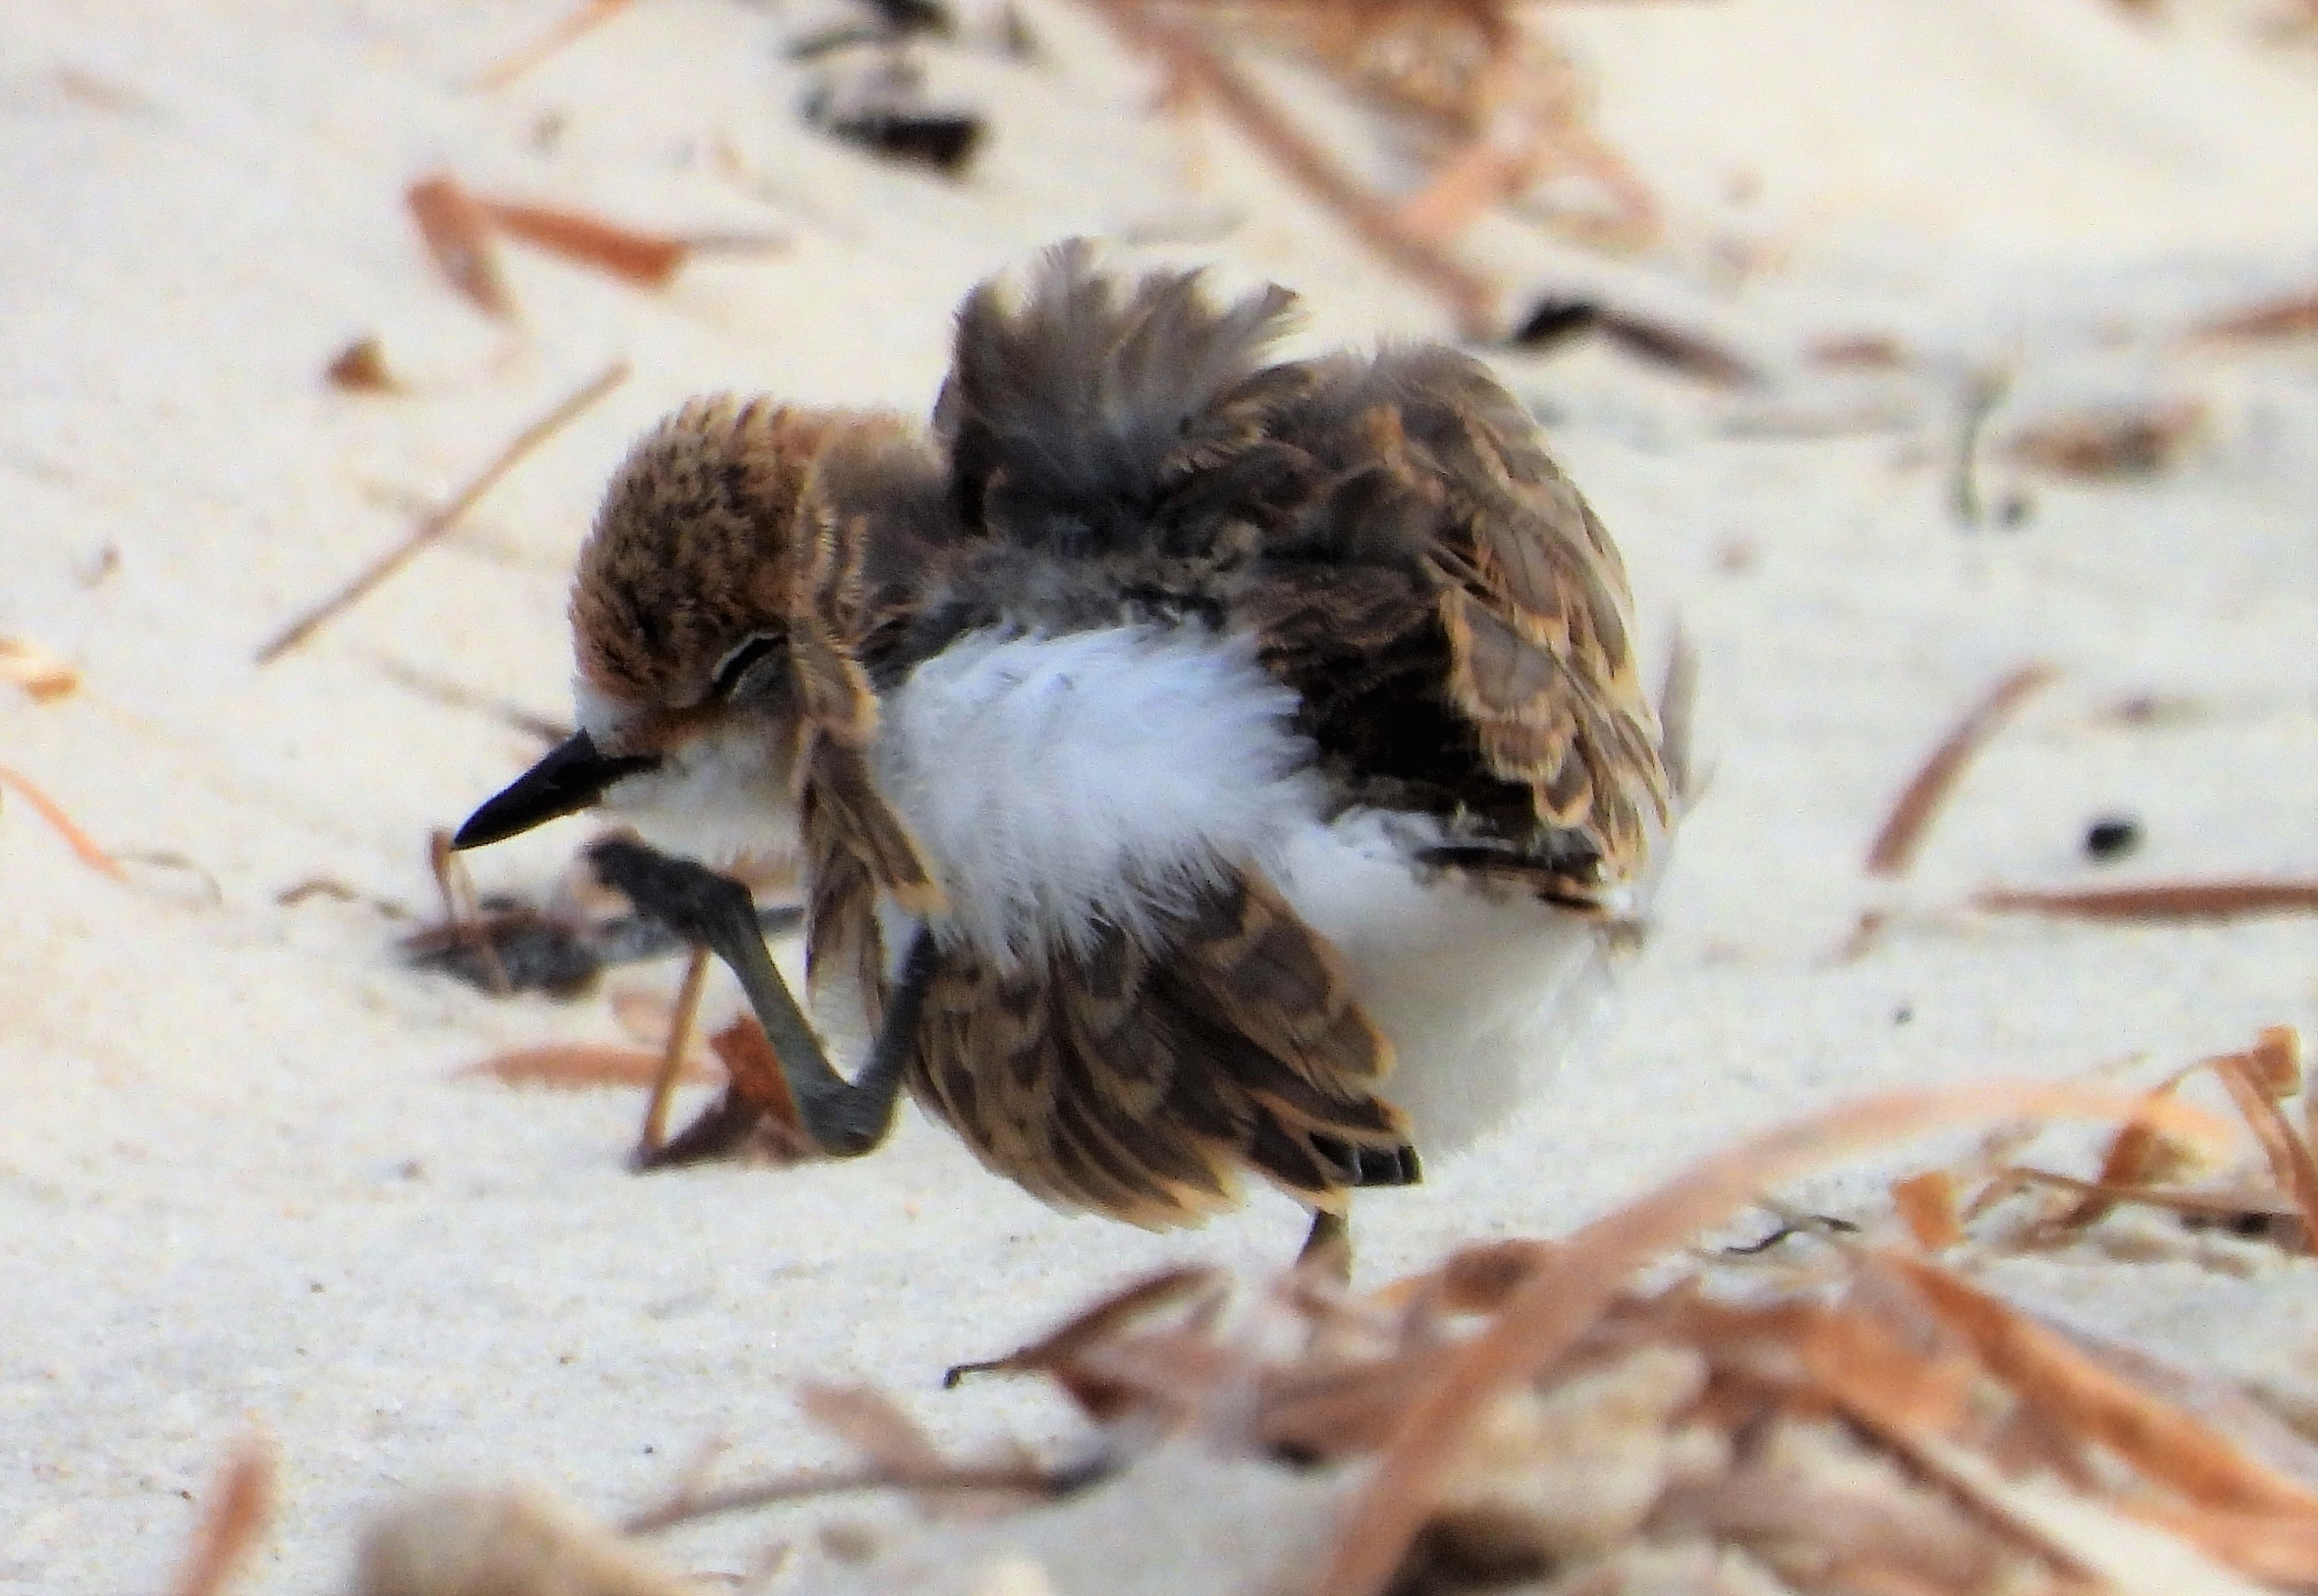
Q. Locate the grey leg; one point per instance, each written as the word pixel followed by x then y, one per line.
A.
pixel 844 1118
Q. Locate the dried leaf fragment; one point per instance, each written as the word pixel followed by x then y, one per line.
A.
pixel 1927 1204
pixel 2110 442
pixel 1553 1311
pixel 2089 1402
pixel 44 677
pixel 457 231
pixel 236 1520
pixel 361 368
pixel 755 1070
pixel 874 1425
pixel 1894 848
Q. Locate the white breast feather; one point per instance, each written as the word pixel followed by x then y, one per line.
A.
pixel 1058 783
pixel 1480 991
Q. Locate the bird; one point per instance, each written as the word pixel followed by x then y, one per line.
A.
pixel 1202 760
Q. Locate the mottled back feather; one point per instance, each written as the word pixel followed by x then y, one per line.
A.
pixel 1390 528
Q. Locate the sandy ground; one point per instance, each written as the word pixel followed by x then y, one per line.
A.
pixel 241 1183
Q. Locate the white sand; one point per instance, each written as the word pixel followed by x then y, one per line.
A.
pixel 240 1186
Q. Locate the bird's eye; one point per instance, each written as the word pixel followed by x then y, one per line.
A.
pixel 735 665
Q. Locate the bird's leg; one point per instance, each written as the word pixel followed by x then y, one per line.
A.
pixel 844 1118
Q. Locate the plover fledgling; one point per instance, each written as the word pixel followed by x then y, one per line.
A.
pixel 1202 761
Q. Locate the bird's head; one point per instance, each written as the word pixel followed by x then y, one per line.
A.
pixel 717 618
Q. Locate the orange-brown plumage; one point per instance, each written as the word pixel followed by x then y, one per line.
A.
pixel 1230 726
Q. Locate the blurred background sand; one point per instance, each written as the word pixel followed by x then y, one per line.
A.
pixel 242 1181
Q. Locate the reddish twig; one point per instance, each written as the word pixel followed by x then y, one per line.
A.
pixel 230 1529
pixel 443 520
pixel 1895 844
pixel 590 15
pixel 1549 1315
pixel 83 845
pixel 2159 901
pixel 1471 298
pixel 673 1053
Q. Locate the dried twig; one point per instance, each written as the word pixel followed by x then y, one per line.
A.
pixel 1014 1477
pixel 236 1520
pixel 1894 848
pixel 1552 1312
pixel 590 14
pixel 1926 1204
pixel 83 845
pixel 444 519
pixel 578 1066
pixel 1471 298
pixel 653 1137
pixel 462 910
pixel 2157 900
pixel 2164 1443
pixel 458 697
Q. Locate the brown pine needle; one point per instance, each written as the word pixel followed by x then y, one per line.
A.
pixel 1024 1478
pixel 443 520
pixel 678 1044
pixel 2216 1205
pixel 231 1528
pixel 1550 1314
pixel 2164 1443
pixel 2291 316
pixel 2292 1162
pixel 1471 298
pixel 646 259
pixel 462 910
pixel 590 15
pixel 2159 901
pixel 81 845
pixel 1895 846
pixel 578 1066
pixel 458 235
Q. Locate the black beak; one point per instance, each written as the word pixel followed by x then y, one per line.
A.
pixel 571 777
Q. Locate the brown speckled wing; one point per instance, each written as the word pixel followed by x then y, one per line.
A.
pixel 1458 623
pixel 1137 1082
